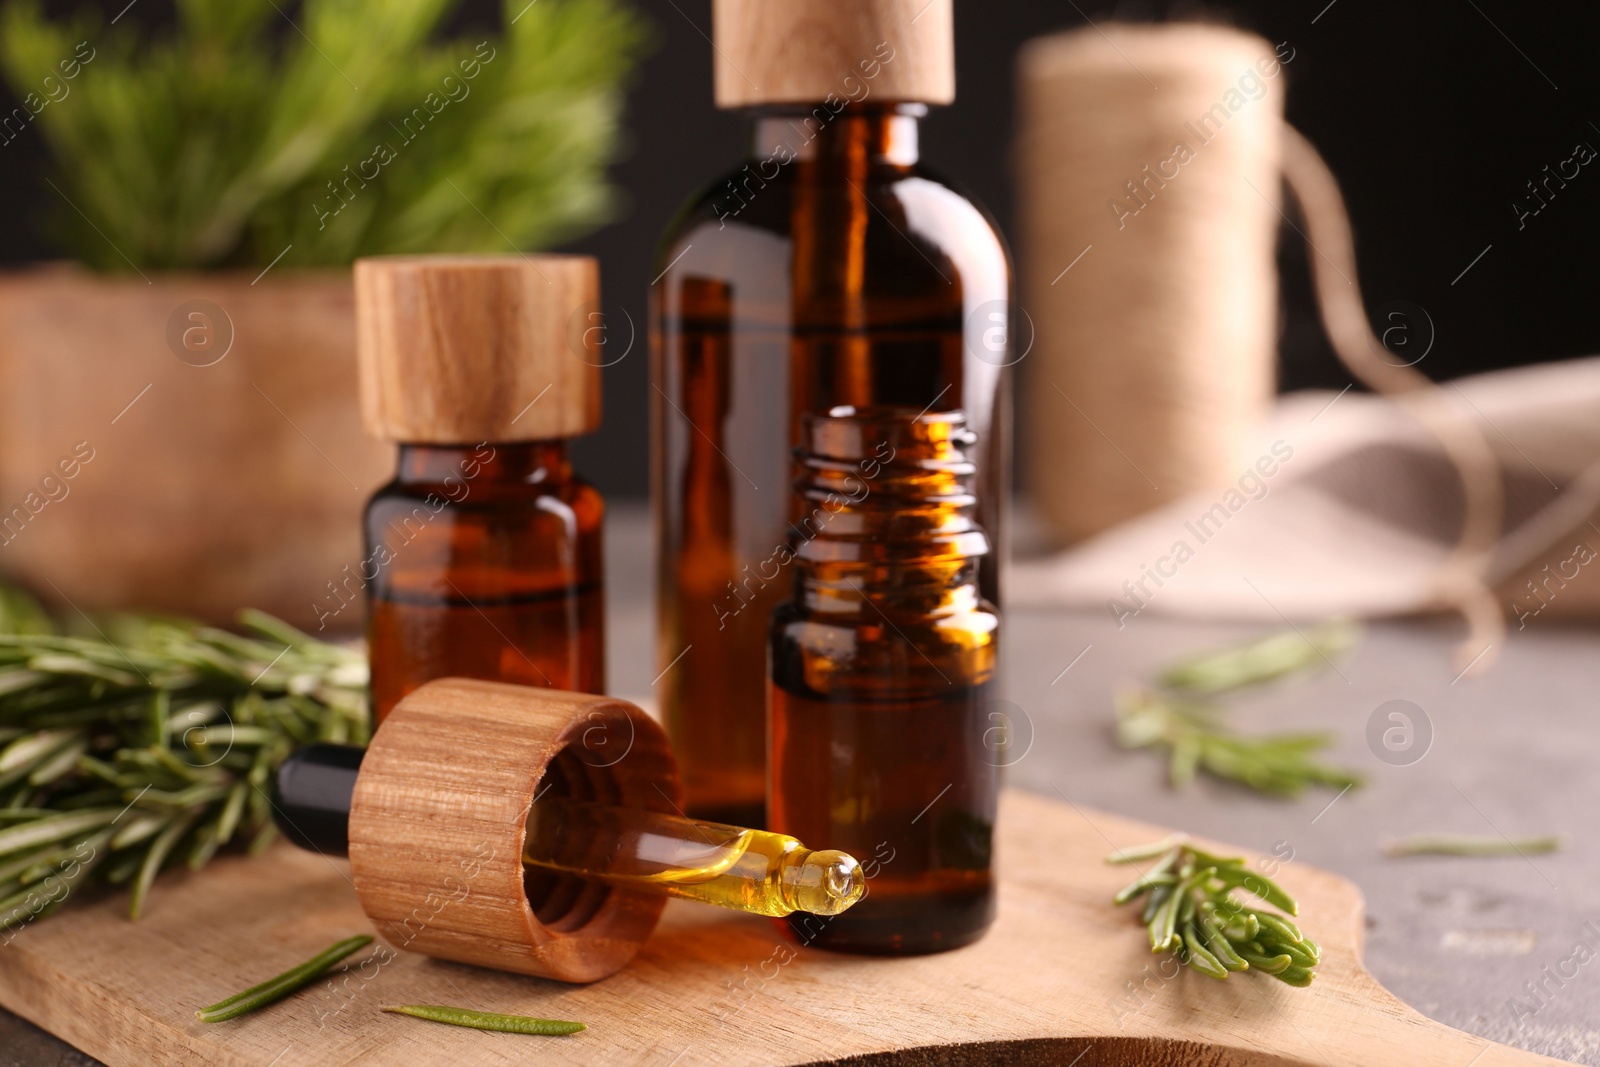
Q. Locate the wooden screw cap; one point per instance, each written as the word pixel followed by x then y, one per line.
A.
pixel 795 52
pixel 440 812
pixel 461 349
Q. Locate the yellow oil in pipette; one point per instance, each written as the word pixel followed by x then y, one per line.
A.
pixel 730 866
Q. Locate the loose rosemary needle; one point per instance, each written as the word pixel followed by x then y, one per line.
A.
pixel 488 1020
pixel 1189 909
pixel 275 989
pixel 1471 845
pixel 1276 655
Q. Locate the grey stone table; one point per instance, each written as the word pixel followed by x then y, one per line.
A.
pixel 1512 751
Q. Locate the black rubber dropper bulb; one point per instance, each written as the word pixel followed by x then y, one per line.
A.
pixel 311 796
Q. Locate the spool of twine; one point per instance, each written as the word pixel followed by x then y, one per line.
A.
pixel 1149 161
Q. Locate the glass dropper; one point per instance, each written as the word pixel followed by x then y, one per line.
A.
pixel 730 866
pixel 753 871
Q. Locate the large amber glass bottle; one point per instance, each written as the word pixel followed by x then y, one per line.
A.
pixel 830 267
pixel 483 555
pixel 883 667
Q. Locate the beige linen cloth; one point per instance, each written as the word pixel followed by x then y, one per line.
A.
pixel 1360 514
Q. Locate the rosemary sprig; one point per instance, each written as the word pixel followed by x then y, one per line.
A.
pixel 1194 732
pixel 149 742
pixel 488 1020
pixel 1190 909
pixel 1281 764
pixel 1471 845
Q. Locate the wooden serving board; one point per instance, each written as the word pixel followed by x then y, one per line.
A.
pixel 1063 978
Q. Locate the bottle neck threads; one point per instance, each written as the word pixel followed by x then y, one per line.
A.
pixel 886 512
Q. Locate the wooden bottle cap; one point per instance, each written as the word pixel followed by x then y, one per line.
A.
pixel 439 815
pixel 461 349
pixel 795 52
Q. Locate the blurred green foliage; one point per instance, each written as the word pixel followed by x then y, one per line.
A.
pixel 338 127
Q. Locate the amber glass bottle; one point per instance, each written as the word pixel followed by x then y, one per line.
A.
pixel 482 560
pixel 829 268
pixel 494 570
pixel 882 671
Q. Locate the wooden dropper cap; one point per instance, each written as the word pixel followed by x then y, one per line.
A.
pixel 439 816
pixel 799 52
pixel 462 349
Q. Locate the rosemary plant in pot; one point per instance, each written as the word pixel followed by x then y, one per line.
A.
pixel 186 387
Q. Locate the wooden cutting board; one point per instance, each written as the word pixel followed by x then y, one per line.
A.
pixel 1063 978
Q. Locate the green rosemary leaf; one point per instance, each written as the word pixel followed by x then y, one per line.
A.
pixel 141 827
pixel 53 828
pixel 1160 874
pixel 1278 928
pixel 1185 761
pixel 232 811
pixel 28 755
pixel 55 663
pixel 1297 955
pixel 13 868
pixel 264 837
pixel 1154 901
pixel 61 763
pixel 203 844
pixel 64 870
pixel 1197 956
pixel 155 856
pixel 275 989
pixel 120 871
pixel 1264 659
pixel 1295 976
pixel 1160 848
pixel 1273 965
pixel 1257 884
pixel 485 1020
pixel 1470 845
pixel 1219 946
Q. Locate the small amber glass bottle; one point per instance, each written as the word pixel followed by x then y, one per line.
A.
pixel 831 266
pixel 484 552
pixel 882 670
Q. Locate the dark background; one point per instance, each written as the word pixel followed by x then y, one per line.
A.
pixel 1434 115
